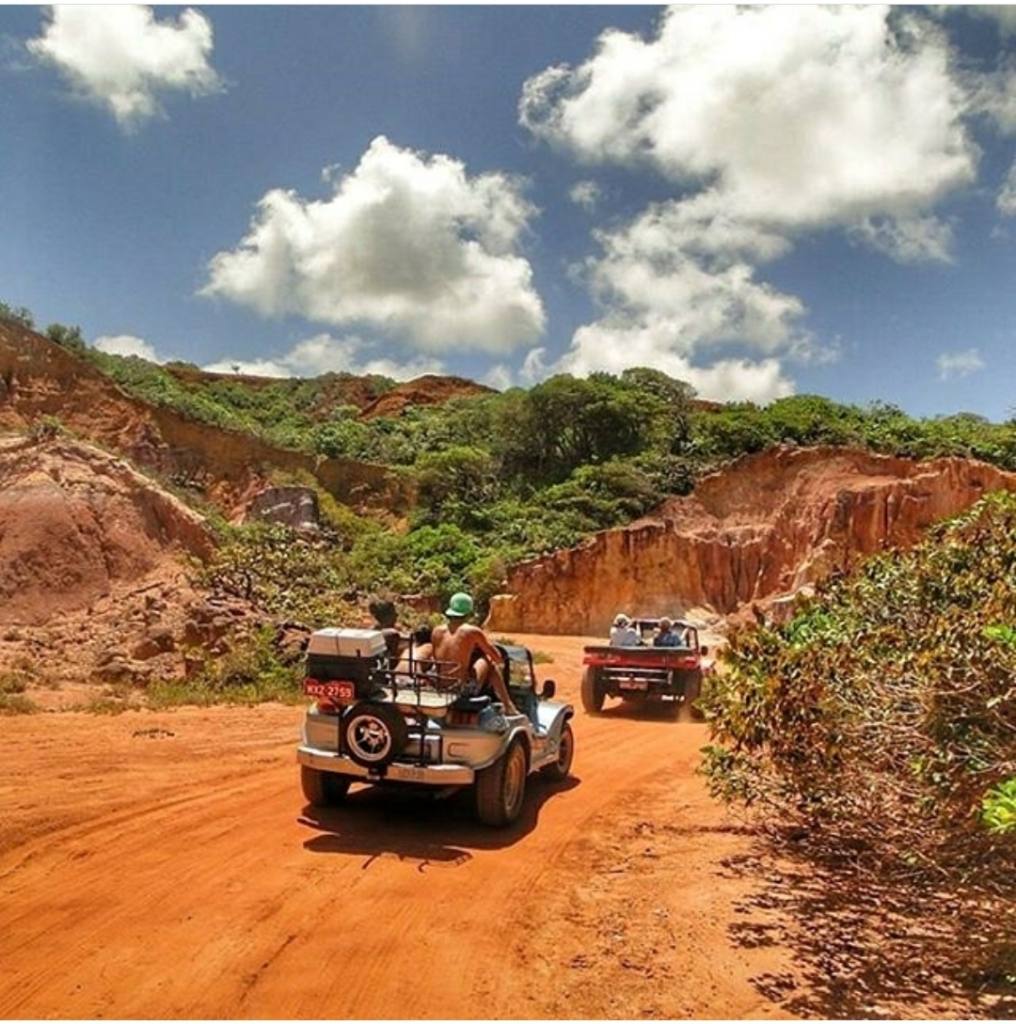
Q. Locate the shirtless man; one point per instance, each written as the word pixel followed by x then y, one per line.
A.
pixel 467 651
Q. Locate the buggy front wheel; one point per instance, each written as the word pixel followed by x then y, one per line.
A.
pixel 559 770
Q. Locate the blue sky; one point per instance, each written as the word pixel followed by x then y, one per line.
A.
pixel 771 200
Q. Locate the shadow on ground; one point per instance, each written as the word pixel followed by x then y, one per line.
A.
pixel 867 947
pixel 374 822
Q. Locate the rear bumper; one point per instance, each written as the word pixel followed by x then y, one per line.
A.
pixel 427 775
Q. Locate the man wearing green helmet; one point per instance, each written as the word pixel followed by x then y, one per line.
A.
pixel 467 651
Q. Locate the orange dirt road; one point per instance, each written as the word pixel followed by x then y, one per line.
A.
pixel 163 865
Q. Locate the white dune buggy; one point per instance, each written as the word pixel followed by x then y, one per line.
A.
pixel 412 723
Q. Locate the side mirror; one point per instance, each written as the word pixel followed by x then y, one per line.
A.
pixel 703 650
pixel 549 689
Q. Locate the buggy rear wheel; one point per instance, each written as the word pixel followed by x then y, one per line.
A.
pixel 592 691
pixel 500 789
pixel 322 789
pixel 687 711
pixel 560 769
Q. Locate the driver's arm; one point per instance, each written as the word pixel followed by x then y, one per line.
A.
pixel 488 650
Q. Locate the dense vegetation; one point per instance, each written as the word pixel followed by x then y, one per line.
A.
pixel 883 718
pixel 505 476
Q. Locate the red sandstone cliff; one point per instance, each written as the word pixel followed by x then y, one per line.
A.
pixel 763 527
pixel 77 523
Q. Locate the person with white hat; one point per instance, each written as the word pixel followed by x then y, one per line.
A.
pixel 622 634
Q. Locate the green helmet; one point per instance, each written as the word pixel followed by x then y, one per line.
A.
pixel 460 606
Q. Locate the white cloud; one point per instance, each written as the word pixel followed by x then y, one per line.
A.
pixel 1006 200
pixel 617 346
pixel 499 377
pixel 908 239
pixel 586 194
pixel 769 122
pixel 993 94
pixel 127 345
pixel 792 115
pixel 408 243
pixel 122 58
pixel 959 364
pixel 324 353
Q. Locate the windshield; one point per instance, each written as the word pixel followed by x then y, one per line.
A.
pixel 520 672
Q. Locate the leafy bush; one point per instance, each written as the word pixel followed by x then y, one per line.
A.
pixel 17 314
pixel 280 572
pixel 886 709
pixel 250 673
pixel 881 723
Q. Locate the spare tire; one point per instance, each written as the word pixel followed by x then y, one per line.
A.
pixel 373 734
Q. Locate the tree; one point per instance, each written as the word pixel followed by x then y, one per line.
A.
pixel 66 337
pixel 17 315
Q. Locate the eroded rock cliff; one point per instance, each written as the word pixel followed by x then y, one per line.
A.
pixel 762 528
pixel 77 523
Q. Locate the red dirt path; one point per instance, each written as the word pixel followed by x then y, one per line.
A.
pixel 163 864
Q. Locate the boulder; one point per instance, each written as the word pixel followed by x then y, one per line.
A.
pixel 154 643
pixel 296 507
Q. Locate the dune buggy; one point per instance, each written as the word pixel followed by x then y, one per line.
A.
pixel 643 674
pixel 412 723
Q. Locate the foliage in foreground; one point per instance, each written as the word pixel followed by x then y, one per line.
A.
pixel 885 711
pixel 882 718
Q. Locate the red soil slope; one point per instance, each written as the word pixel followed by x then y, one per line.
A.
pixel 76 523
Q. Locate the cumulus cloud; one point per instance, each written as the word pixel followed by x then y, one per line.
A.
pixel 324 353
pixel 586 194
pixel 499 377
pixel 127 345
pixel 617 346
pixel 795 116
pixel 769 122
pixel 410 244
pixel 123 57
pixel 959 364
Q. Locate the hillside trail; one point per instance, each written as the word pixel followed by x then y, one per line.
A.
pixel 163 864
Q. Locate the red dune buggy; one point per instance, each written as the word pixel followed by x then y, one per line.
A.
pixel 669 675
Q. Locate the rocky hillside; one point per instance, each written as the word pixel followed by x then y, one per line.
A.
pixel 39 378
pixel 95 557
pixel 758 531
pixel 76 524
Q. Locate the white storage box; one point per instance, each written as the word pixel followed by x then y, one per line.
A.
pixel 347 643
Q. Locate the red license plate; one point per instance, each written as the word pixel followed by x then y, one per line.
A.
pixel 340 691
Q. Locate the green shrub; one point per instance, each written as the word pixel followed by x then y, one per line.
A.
pixel 17 704
pixel 17 314
pixel 885 709
pixel 251 673
pixel 998 809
